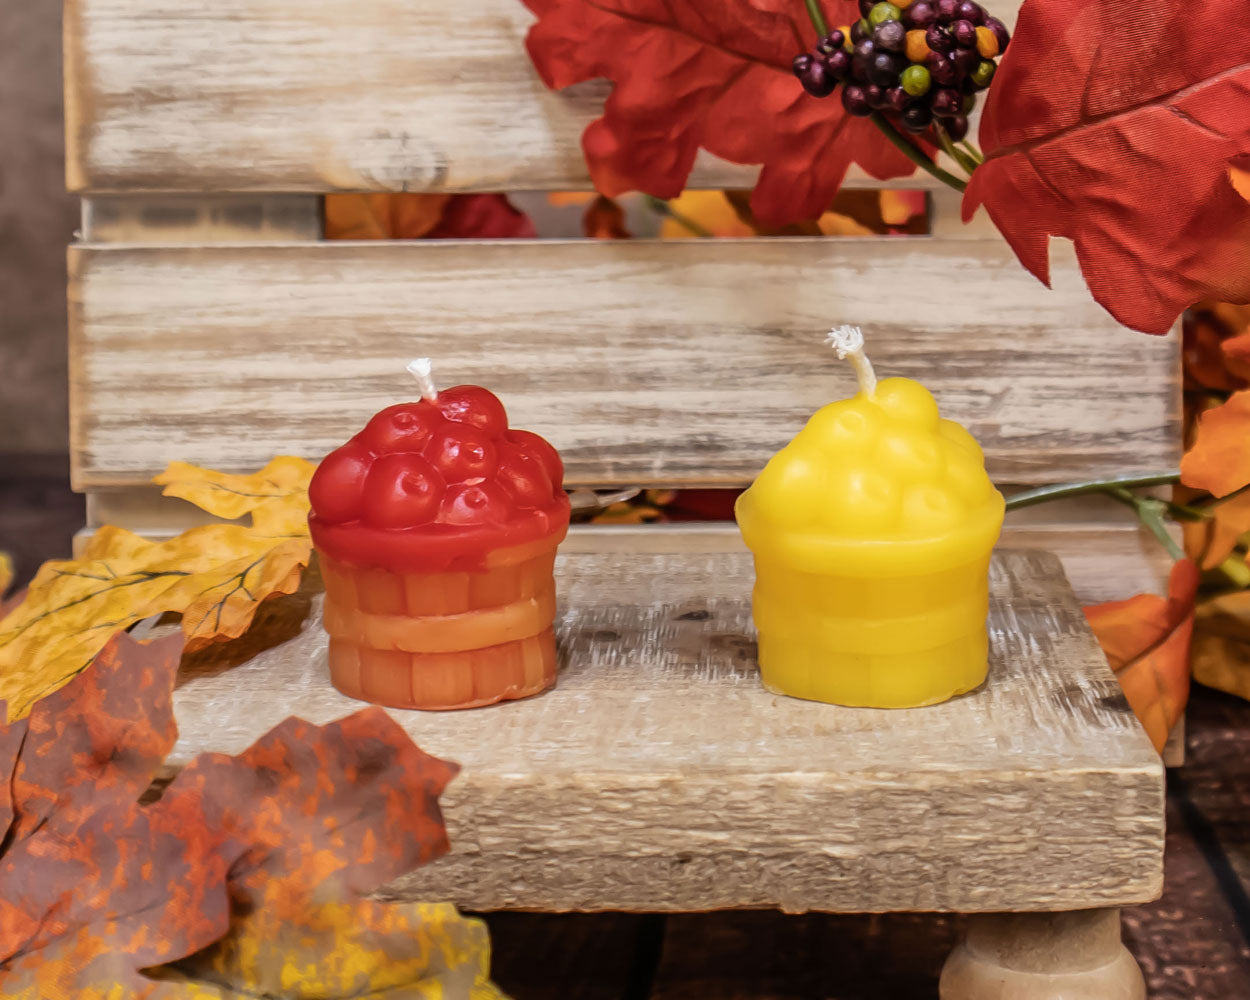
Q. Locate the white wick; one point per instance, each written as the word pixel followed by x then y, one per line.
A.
pixel 848 341
pixel 420 369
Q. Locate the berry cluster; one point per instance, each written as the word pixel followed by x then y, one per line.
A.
pixel 915 60
pixel 454 461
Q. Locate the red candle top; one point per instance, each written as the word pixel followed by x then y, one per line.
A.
pixel 436 485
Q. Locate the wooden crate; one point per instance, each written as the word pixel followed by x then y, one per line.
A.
pixel 210 323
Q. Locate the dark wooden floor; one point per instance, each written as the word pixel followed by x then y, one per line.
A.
pixel 1194 943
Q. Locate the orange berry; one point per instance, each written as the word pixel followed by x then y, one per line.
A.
pixel 987 42
pixel 917 47
pixel 903 4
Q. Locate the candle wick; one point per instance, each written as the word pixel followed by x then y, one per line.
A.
pixel 848 341
pixel 420 369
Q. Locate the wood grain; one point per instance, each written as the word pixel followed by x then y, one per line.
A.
pixel 222 218
pixel 644 363
pixel 323 95
pixel 660 775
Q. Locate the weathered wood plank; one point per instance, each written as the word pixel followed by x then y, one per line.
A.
pixel 234 218
pixel 660 775
pixel 645 363
pixel 322 95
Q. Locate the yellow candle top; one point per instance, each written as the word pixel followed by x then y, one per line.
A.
pixel 875 485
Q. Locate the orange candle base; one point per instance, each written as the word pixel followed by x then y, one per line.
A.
pixel 444 640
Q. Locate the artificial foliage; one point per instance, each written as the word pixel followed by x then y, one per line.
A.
pixel 215 576
pixel 245 876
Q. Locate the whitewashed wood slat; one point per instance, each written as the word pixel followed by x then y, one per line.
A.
pixel 660 775
pixel 221 218
pixel 323 95
pixel 684 363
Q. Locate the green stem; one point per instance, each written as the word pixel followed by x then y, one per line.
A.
pixel 915 154
pixel 1060 490
pixel 661 207
pixel 818 17
pixel 972 151
pixel 1150 513
pixel 956 154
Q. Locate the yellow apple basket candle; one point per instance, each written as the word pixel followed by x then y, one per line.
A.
pixel 872 532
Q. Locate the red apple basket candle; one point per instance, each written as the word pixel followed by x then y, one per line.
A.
pixel 436 528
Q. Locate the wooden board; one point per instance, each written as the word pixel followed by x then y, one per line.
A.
pixel 323 95
pixel 645 363
pixel 660 775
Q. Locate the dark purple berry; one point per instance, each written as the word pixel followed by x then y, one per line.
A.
pixel 896 99
pixel 875 95
pixel 946 10
pixel 801 63
pixel 860 30
pixel 890 35
pixel 1000 32
pixel 916 118
pixel 817 80
pixel 957 127
pixel 856 101
pixel 966 60
pixel 943 69
pixel 965 34
pixel 833 42
pixel 866 6
pixel 969 11
pixel 946 103
pixel 939 39
pixel 884 68
pixel 920 15
pixel 839 64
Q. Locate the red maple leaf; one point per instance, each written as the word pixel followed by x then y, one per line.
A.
pixel 711 75
pixel 1118 130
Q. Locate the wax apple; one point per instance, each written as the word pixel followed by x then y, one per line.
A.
pixel 872 533
pixel 437 528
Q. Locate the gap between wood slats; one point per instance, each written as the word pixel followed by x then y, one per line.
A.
pixel 685 363
pixel 324 95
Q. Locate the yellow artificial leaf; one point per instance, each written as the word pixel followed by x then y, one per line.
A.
pixel 709 211
pixel 215 576
pixel 232 496
pixel 6 572
pixel 325 951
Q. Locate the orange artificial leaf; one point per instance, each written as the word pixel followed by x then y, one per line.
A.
pixel 563 199
pixel 1219 461
pixel 1237 356
pixel 6 573
pixel 97 888
pixel 1215 540
pixel 1146 640
pixel 400 216
pixel 836 224
pixel 1221 647
pixel 605 220
pixel 898 208
pixel 215 576
pixel 406 216
pixel 711 212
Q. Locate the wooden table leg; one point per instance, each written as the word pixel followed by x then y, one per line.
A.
pixel 1043 956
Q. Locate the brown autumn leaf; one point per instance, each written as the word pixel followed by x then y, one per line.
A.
pixel 215 576
pixel 1146 640
pixel 1221 645
pixel 97 887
